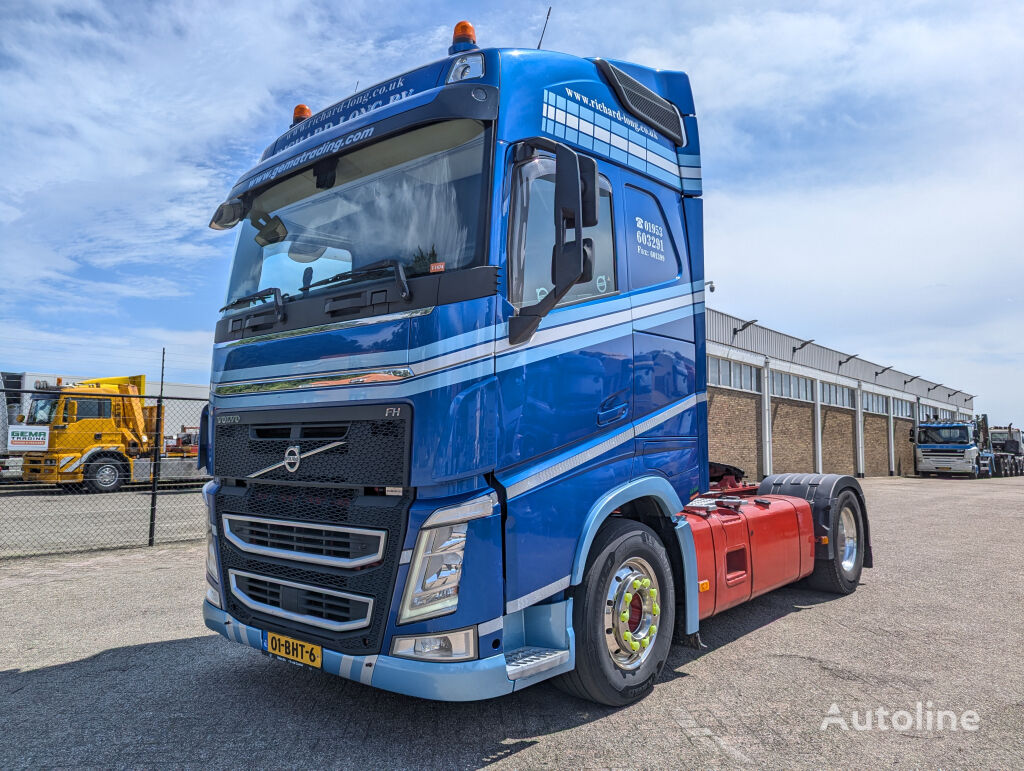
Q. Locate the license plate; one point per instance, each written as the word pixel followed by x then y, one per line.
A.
pixel 944 468
pixel 294 650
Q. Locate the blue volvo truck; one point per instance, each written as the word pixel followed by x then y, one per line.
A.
pixel 457 413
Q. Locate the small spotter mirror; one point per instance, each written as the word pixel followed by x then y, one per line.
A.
pixel 228 214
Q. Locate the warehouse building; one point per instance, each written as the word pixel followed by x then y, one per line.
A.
pixel 779 404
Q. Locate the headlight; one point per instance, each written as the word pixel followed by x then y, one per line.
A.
pixel 466 67
pixel 432 586
pixel 450 646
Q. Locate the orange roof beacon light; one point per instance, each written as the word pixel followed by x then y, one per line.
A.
pixel 463 39
pixel 300 113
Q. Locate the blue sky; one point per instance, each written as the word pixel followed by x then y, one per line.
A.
pixel 862 162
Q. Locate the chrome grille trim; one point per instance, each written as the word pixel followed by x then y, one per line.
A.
pixel 300 618
pixel 299 556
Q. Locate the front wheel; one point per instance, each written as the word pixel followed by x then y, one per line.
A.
pixel 623 615
pixel 106 475
pixel 841 573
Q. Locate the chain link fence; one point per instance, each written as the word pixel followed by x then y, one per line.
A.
pixel 98 467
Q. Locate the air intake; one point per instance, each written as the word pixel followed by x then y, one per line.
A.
pixel 642 103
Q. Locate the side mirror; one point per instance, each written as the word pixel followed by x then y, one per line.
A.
pixel 589 191
pixel 228 214
pixel 71 410
pixel 912 441
pixel 568 258
pixel 20 418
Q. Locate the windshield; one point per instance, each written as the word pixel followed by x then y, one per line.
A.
pixel 41 411
pixel 947 435
pixel 999 436
pixel 416 198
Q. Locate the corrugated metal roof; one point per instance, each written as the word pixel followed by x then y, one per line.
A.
pixel 723 328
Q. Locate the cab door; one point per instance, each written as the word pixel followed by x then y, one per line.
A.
pixel 574 378
pixel 566 389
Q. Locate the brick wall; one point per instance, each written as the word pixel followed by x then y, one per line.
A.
pixel 904 449
pixel 876 445
pixel 838 441
pixel 734 430
pixel 792 436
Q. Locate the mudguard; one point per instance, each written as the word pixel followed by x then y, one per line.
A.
pixel 822 492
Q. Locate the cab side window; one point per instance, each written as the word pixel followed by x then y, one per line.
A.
pixel 533 237
pixel 652 254
pixel 93 408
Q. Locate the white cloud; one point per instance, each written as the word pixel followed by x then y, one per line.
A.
pixel 66 349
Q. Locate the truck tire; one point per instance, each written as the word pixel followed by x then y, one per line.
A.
pixel 105 475
pixel 840 574
pixel 623 616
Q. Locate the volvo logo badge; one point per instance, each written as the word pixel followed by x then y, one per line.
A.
pixel 292 459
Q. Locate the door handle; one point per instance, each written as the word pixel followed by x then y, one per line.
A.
pixel 611 414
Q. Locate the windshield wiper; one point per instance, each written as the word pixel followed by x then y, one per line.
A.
pixel 395 265
pixel 262 294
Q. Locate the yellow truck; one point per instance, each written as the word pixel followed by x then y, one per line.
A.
pixel 99 435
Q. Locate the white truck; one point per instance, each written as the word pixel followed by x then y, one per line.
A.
pixel 16 391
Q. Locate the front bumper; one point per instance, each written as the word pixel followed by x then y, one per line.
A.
pixel 34 469
pixel 461 681
pixel 945 465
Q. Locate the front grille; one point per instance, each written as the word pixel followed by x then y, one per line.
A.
pixel 310 605
pixel 259 590
pixel 313 508
pixel 345 547
pixel 339 446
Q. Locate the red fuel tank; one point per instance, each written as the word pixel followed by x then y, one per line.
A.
pixel 749 546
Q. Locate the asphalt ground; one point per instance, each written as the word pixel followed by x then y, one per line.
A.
pixel 104 661
pixel 47 519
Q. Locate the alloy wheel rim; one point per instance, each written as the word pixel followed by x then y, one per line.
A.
pixel 848 538
pixel 632 613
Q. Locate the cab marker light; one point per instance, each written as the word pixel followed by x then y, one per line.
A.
pixel 704 585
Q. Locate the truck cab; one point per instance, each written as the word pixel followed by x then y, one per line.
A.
pixel 464 330
pixel 1008 447
pixel 951 448
pixel 97 435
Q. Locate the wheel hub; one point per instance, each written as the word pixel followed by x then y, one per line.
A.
pixel 106 475
pixel 632 613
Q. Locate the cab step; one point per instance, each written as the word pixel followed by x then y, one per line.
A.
pixel 530 660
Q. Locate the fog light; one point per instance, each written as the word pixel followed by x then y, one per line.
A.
pixel 450 646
